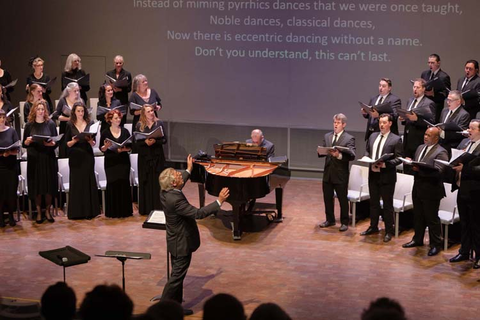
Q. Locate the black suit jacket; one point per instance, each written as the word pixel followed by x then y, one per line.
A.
pixel 266 144
pixel 470 178
pixel 414 130
pixel 183 237
pixel 428 183
pixel 122 95
pixel 337 171
pixel 462 119
pixel 440 92
pixel 372 124
pixel 470 97
pixel 393 144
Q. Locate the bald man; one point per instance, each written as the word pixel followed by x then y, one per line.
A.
pixel 258 139
pixel 427 192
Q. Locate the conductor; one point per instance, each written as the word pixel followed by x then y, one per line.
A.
pixel 183 237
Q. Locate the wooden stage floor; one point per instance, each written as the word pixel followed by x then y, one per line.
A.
pixel 312 273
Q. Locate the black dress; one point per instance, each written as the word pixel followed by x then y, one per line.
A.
pixel 135 98
pixel 151 162
pixel 4 80
pixel 118 196
pixel 75 74
pixel 122 95
pixel 42 165
pixel 63 109
pixel 7 107
pixel 114 103
pixel 44 79
pixel 83 201
pixel 8 167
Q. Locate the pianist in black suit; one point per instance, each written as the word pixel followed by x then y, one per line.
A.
pixel 183 237
pixel 121 93
pixel 469 85
pixel 423 109
pixel 427 192
pixel 258 139
pixel 336 171
pixel 467 181
pixel 439 90
pixel 456 119
pixel 384 95
pixel 382 176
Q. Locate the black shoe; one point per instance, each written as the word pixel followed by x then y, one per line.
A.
pixel 326 224
pixel 476 264
pixel 187 312
pixel 434 251
pixel 2 222
pixel 39 221
pixel 343 228
pixel 51 219
pixel 369 231
pixel 411 244
pixel 459 257
pixel 388 237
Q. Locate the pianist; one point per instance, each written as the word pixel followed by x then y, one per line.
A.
pixel 183 237
pixel 258 139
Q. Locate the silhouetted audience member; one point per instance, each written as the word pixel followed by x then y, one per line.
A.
pixel 58 302
pixel 269 311
pixel 223 306
pixel 384 309
pixel 106 302
pixel 165 310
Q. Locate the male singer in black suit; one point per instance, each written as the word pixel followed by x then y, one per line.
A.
pixel 183 237
pixel 467 181
pixel 422 108
pixel 427 192
pixel 382 176
pixel 121 93
pixel 336 171
pixel 439 90
pixel 456 119
pixel 258 139
pixel 384 95
pixel 470 83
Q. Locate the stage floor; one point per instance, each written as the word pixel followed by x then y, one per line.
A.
pixel 312 273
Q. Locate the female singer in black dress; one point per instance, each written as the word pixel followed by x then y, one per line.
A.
pixel 143 94
pixel 5 105
pixel 117 168
pixel 83 201
pixel 107 99
pixel 8 170
pixel 5 78
pixel 70 95
pixel 73 70
pixel 42 165
pixel 151 161
pixel 35 93
pixel 41 78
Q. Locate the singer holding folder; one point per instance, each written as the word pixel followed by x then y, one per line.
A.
pixel 118 196
pixel 42 165
pixel 8 170
pixel 107 99
pixel 336 171
pixel 151 160
pixel 73 71
pixel 41 78
pixel 142 95
pixel 83 201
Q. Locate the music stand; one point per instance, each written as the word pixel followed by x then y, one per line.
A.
pixel 122 256
pixel 65 257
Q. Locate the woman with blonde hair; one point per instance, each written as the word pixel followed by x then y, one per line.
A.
pixel 35 93
pixel 73 70
pixel 151 161
pixel 39 77
pixel 142 95
pixel 42 165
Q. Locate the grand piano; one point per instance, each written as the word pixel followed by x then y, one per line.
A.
pixel 246 171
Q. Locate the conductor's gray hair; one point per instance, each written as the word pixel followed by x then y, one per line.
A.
pixel 166 179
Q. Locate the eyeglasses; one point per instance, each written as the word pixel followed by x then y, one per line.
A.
pixel 451 100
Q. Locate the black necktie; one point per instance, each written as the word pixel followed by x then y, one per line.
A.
pixel 379 145
pixel 465 83
pixel 449 113
pixel 431 75
pixel 422 155
pixel 470 146
pixel 335 140
pixel 380 101
pixel 414 104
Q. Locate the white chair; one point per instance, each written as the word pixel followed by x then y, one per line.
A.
pixel 448 212
pixel 101 178
pixel 24 187
pixel 402 197
pixel 93 108
pixel 357 188
pixel 23 152
pixel 134 171
pixel 20 113
pixel 64 180
pixel 96 146
pixel 128 126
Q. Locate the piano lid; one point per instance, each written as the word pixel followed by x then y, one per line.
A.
pixel 240 151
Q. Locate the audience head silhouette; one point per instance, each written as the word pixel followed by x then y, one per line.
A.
pixel 384 309
pixel 165 310
pixel 106 302
pixel 269 311
pixel 58 302
pixel 223 306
